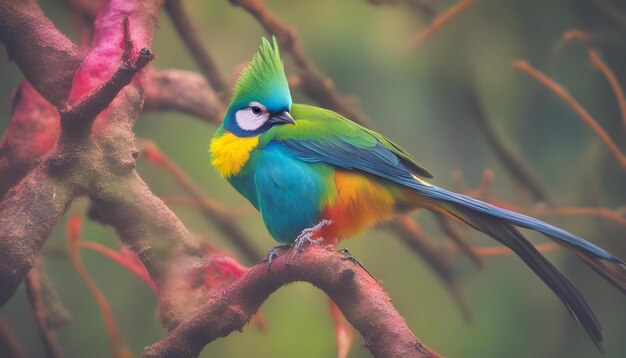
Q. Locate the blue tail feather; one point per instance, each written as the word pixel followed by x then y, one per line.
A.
pixel 552 232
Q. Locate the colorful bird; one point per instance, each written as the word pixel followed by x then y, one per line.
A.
pixel 314 174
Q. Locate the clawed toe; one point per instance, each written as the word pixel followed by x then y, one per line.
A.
pixel 273 254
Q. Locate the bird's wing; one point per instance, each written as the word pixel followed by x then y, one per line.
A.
pixel 325 136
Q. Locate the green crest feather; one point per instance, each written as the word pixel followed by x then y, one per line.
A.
pixel 264 78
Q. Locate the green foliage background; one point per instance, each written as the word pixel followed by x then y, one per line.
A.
pixel 416 98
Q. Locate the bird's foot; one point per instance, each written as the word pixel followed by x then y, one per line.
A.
pixel 273 254
pixel 306 236
pixel 353 259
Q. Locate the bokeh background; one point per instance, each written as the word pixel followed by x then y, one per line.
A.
pixel 415 97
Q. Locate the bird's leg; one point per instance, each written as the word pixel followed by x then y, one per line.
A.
pixel 273 253
pixel 353 259
pixel 306 236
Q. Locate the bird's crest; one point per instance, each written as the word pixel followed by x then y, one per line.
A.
pixel 264 78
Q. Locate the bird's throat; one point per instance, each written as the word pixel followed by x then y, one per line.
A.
pixel 230 153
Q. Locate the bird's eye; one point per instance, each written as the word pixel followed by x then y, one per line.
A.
pixel 256 110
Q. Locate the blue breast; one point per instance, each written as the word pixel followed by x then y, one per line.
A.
pixel 287 191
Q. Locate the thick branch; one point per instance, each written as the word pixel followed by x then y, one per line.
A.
pixel 89 106
pixel 361 299
pixel 184 91
pixel 33 131
pixel 28 213
pixel 45 56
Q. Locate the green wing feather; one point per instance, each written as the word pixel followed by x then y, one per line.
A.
pixel 323 135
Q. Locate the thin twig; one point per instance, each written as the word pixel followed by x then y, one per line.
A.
pixel 133 265
pixel 516 166
pixel 90 105
pixel 505 251
pixel 118 350
pixel 313 82
pixel 192 40
pixel 10 346
pixel 35 295
pixel 344 333
pixel 425 7
pixel 214 205
pixel 596 60
pixel 564 95
pixel 413 236
pixel 439 22
pixel 458 238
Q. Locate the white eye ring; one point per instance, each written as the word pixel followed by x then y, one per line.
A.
pixel 253 117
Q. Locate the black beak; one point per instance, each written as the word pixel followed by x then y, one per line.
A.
pixel 281 118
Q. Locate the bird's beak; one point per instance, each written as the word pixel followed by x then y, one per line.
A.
pixel 281 118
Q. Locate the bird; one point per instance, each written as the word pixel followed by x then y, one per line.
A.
pixel 315 175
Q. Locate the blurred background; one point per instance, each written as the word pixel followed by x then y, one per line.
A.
pixel 417 97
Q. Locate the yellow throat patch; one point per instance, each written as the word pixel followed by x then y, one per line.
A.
pixel 230 153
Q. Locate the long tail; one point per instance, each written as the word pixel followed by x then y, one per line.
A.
pixel 500 224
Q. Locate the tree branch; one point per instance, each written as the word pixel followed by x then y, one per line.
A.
pixel 35 294
pixel 413 237
pixel 517 167
pixel 313 82
pixel 221 219
pixel 10 346
pixel 189 35
pixel 45 56
pixel 33 131
pixel 183 91
pixel 361 299
pixel 582 113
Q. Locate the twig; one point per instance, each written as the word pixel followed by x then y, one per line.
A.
pixel 412 235
pixel 361 299
pixel 516 166
pixel 425 7
pixel 344 334
pixel 458 238
pixel 438 23
pixel 215 205
pixel 211 209
pixel 505 251
pixel 617 216
pixel 596 60
pixel 184 91
pixel 35 295
pixel 564 95
pixel 10 346
pixel 313 82
pixel 118 350
pixel 480 192
pixel 189 35
pixel 123 259
pixel 90 105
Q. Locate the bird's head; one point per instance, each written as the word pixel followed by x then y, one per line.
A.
pixel 261 97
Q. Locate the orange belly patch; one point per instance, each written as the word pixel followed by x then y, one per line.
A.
pixel 360 202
